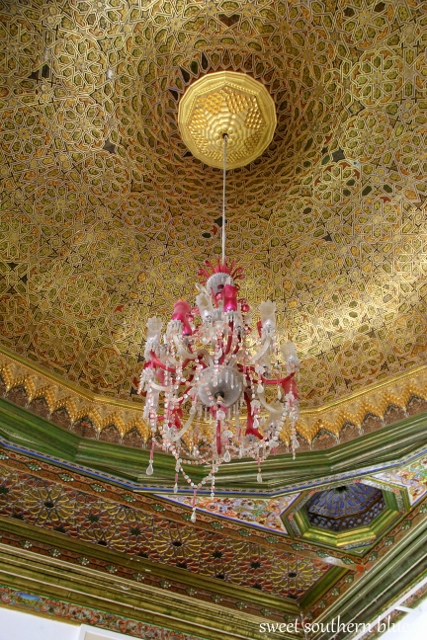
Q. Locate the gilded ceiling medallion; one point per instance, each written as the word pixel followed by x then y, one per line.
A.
pixel 232 103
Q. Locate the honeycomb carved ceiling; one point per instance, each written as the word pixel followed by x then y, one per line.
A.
pixel 105 216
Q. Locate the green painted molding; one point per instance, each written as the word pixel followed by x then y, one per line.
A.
pixel 55 578
pixel 378 588
pixel 321 587
pixel 388 445
pixel 23 427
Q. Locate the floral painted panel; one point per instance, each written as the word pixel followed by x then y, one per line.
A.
pixel 413 478
pixel 262 513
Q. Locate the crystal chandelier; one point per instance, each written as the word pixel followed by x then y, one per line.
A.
pixel 208 379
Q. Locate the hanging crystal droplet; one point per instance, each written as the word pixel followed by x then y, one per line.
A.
pixel 175 488
pixel 227 456
pixel 193 515
pixel 259 478
pixel 177 466
pixel 150 469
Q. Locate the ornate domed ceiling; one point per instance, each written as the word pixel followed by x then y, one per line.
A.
pixel 343 508
pixel 106 216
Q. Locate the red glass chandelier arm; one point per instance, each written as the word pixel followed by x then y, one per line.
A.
pixel 250 429
pixel 288 383
pixel 182 312
pixel 277 381
pixel 154 360
pixel 248 373
pixel 187 391
pixel 226 351
pixel 177 414
pixel 237 347
pixel 218 437
pixel 198 356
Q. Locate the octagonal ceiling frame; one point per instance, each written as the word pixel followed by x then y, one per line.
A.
pixel 358 539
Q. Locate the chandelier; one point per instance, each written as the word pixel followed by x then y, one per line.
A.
pixel 209 378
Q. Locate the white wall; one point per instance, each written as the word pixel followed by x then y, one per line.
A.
pixel 412 626
pixel 15 625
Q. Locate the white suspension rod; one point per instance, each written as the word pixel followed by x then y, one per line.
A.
pixel 224 174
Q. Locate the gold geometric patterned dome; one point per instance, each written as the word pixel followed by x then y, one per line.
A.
pixel 105 215
pixel 227 103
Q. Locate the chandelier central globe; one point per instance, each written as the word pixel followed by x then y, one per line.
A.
pixel 220 384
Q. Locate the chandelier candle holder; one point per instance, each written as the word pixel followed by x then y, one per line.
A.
pixel 208 379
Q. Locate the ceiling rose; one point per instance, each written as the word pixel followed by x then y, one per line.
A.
pixel 232 103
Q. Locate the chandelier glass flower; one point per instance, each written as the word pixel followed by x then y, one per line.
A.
pixel 208 378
